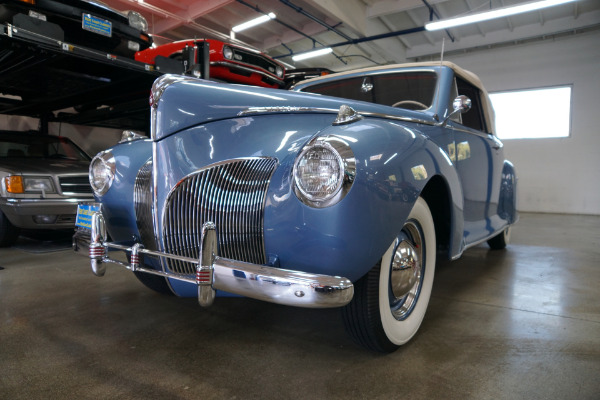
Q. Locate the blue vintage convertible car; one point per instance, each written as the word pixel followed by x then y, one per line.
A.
pixel 341 197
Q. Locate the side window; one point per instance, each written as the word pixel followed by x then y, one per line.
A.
pixel 453 94
pixel 474 117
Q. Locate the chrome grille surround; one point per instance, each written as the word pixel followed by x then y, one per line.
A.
pixel 232 195
pixel 143 205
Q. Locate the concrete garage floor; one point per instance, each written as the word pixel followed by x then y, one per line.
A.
pixel 517 324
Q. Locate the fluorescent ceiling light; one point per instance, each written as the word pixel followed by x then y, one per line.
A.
pixel 254 22
pixel 497 13
pixel 311 54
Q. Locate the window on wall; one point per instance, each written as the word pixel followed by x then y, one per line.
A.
pixel 533 113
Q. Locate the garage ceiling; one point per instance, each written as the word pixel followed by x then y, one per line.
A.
pixel 302 25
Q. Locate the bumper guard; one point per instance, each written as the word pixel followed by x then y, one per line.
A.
pixel 275 285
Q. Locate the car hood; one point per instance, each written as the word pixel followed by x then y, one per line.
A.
pixel 43 166
pixel 183 102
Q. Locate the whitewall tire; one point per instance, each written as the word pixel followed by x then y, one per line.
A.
pixel 391 299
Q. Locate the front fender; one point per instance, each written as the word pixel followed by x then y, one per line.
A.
pixel 394 163
pixel 117 202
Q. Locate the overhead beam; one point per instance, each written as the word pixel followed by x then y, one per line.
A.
pixel 289 36
pixel 385 7
pixel 194 11
pixel 471 8
pixel 526 32
pixel 350 12
pixel 385 21
pixel 415 20
pixel 392 49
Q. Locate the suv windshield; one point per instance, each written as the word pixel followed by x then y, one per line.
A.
pixel 37 146
pixel 413 90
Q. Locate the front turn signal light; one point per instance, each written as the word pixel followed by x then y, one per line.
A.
pixel 14 184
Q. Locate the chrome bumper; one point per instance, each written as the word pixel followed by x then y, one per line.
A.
pixel 260 282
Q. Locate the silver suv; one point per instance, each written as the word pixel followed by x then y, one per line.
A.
pixel 42 178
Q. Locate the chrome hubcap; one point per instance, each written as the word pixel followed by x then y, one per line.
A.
pixel 407 271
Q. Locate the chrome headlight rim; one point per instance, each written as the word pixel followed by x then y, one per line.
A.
pixel 107 161
pixel 137 21
pixel 346 162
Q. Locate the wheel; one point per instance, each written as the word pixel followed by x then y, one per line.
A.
pixel 391 299
pixel 410 103
pixel 501 240
pixel 8 232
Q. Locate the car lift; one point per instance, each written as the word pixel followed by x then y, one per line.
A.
pixel 55 81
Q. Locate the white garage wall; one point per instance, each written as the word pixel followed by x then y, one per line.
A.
pixel 555 175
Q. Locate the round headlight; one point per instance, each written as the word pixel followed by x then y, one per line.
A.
pixel 319 173
pixel 324 172
pixel 137 21
pixel 102 172
pixel 227 52
pixel 279 71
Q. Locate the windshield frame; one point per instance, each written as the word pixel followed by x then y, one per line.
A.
pixel 368 78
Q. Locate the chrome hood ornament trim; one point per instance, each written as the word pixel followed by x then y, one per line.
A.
pixel 284 109
pixel 342 118
pixel 347 115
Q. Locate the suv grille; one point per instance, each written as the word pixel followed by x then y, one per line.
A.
pixel 230 194
pixel 75 184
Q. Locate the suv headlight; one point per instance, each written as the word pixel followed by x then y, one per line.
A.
pixel 137 21
pixel 324 172
pixel 37 184
pixel 102 172
pixel 25 184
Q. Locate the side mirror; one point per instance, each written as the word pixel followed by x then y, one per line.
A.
pixel 461 105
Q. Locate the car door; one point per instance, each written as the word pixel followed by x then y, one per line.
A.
pixel 479 160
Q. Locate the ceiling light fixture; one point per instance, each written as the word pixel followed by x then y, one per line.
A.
pixel 311 54
pixel 497 13
pixel 254 22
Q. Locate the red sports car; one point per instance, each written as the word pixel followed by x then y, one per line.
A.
pixel 227 62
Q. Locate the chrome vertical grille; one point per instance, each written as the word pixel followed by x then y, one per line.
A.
pixel 230 194
pixel 142 200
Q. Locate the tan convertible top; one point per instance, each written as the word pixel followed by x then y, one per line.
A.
pixel 463 73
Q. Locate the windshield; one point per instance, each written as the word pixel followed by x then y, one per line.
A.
pixel 37 146
pixel 413 90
